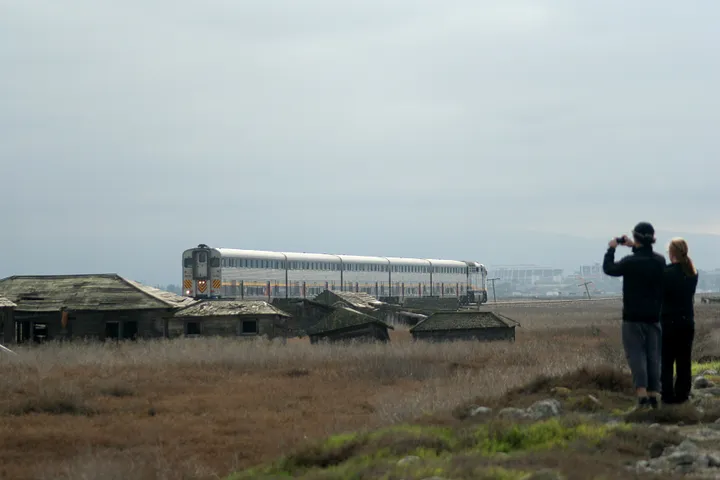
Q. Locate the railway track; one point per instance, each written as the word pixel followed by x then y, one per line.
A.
pixel 544 302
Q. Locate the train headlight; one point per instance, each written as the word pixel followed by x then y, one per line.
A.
pixel 187 292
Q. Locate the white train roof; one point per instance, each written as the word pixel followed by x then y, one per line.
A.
pixel 356 259
pixel 234 252
pixel 447 263
pixel 349 259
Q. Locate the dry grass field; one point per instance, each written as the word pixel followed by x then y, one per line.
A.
pixel 202 408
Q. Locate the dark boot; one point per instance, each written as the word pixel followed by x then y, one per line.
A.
pixel 652 401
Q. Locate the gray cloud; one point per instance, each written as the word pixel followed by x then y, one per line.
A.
pixel 136 129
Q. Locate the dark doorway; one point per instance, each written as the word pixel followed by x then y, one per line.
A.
pixel 112 331
pixel 130 330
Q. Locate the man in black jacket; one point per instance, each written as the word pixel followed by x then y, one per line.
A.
pixel 642 273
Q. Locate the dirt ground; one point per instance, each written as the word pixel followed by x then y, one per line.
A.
pixel 201 408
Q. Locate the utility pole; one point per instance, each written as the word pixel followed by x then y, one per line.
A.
pixel 493 285
pixel 586 288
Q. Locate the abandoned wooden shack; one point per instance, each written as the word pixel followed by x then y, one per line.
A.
pixel 465 325
pixel 230 318
pixel 361 302
pixel 7 322
pixel 304 312
pixel 99 306
pixel 346 324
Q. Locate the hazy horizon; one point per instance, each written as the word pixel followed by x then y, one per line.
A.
pixel 496 131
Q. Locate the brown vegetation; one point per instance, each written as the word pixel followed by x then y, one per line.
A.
pixel 197 408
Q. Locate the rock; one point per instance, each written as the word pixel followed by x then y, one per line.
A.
pixel 713 460
pixel 709 372
pixel 711 392
pixel 511 412
pixel 682 458
pixel 702 461
pixel 408 460
pixel 687 446
pixel 703 435
pixel 701 382
pixel 545 474
pixel 654 425
pixel 656 449
pixel 480 411
pixel 561 392
pixel 545 409
pixel 658 464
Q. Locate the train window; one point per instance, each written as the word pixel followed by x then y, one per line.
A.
pixel 188 262
pixel 214 262
pixel 202 258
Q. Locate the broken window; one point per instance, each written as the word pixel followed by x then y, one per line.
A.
pixel 40 332
pixel 22 332
pixel 192 328
pixel 249 327
pixel 130 330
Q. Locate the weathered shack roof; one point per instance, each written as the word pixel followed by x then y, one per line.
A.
pixel 343 317
pixel 463 321
pixel 227 308
pixel 5 303
pixel 48 293
pixel 359 300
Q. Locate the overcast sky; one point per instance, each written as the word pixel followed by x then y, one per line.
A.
pixel 132 130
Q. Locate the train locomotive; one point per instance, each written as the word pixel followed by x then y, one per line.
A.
pixel 255 274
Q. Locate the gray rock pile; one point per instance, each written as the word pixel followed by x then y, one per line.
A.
pixel 686 458
pixel 537 411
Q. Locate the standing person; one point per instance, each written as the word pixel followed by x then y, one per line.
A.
pixel 642 273
pixel 678 322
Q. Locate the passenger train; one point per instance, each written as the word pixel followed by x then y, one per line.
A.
pixel 254 274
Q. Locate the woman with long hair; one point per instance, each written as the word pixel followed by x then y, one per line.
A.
pixel 678 322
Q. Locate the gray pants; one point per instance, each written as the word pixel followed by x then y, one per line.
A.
pixel 642 343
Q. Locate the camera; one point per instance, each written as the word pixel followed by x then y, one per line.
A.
pixel 620 240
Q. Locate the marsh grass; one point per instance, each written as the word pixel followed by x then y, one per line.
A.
pixel 201 408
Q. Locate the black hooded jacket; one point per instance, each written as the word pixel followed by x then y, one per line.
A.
pixel 642 273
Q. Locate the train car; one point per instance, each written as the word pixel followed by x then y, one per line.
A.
pixel 255 274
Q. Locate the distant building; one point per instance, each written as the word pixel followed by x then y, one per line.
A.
pixel 465 325
pixel 525 274
pixel 591 272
